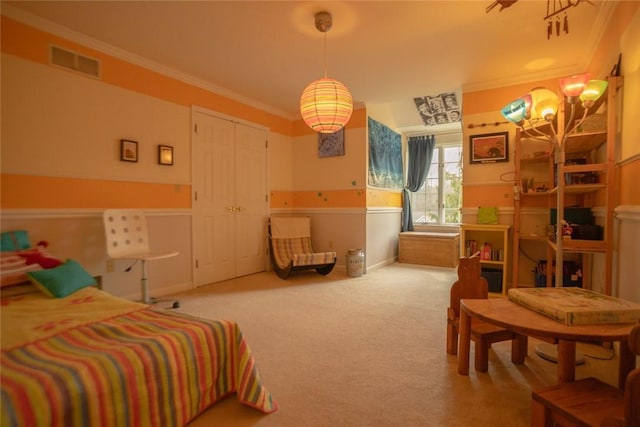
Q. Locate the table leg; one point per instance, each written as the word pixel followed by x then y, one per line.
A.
pixel 465 343
pixel 626 364
pixel 566 361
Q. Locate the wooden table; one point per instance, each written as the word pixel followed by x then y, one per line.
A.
pixel 512 316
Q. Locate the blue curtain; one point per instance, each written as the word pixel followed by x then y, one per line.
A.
pixel 420 150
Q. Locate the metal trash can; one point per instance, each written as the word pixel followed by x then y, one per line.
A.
pixel 355 262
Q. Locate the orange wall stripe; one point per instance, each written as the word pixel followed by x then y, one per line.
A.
pixel 329 199
pixel 383 198
pixel 488 195
pixel 484 101
pixel 40 192
pixel 32 44
pixel 281 199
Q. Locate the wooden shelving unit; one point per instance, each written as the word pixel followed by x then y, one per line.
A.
pixel 497 235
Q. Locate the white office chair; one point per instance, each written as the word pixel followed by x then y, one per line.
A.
pixel 127 237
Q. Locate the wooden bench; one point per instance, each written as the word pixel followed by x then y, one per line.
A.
pixel 589 401
pixel 429 248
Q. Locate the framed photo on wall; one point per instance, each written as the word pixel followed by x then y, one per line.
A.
pixel 128 150
pixel 165 155
pixel 489 148
pixel 331 144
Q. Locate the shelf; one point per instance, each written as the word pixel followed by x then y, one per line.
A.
pixel 584 141
pixel 579 188
pixel 536 159
pixel 580 246
pixel 489 262
pixel 534 237
pixel 535 193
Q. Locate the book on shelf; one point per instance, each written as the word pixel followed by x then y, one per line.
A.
pixel 576 306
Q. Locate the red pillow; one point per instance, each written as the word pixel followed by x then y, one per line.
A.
pixel 40 258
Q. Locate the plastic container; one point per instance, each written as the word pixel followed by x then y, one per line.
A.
pixel 355 262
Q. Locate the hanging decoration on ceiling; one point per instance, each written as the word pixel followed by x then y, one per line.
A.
pixel 438 110
pixel 554 9
pixel 325 104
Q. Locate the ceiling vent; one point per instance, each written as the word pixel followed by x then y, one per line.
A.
pixel 74 61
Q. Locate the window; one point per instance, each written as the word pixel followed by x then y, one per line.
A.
pixel 438 201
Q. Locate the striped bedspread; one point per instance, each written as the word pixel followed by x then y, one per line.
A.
pixel 143 367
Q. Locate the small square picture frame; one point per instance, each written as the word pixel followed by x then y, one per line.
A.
pixel 128 150
pixel 165 155
pixel 489 148
pixel 331 144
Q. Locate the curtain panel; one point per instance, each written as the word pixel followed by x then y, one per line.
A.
pixel 420 153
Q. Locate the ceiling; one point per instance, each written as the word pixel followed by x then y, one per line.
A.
pixel 386 52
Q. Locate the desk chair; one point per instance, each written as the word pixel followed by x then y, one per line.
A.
pixel 127 237
pixel 589 401
pixel 471 284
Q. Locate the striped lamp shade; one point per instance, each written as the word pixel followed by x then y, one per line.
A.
pixel 326 105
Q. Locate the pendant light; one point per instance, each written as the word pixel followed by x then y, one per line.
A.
pixel 325 104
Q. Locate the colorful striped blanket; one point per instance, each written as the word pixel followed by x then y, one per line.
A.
pixel 92 359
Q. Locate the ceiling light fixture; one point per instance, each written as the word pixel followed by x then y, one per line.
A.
pixel 325 104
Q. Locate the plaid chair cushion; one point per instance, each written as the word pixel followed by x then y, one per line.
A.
pixel 299 250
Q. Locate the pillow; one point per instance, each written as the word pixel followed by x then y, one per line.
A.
pixel 63 280
pixel 14 240
pixel 16 275
pixel 487 215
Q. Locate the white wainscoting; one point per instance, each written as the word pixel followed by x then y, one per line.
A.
pixel 627 253
pixel 79 234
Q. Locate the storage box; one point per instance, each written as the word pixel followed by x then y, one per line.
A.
pixel 429 248
pixel 494 278
pixel 576 306
pixel 574 216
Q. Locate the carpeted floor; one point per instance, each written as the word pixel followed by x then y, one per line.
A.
pixel 367 351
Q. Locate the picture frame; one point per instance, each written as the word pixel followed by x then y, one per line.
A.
pixel 489 148
pixel 128 150
pixel 331 144
pixel 165 155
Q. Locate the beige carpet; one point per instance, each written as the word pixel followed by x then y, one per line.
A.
pixel 367 351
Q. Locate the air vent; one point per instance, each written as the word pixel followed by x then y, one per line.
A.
pixel 74 61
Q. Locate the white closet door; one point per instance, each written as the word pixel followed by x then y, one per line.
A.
pixel 229 204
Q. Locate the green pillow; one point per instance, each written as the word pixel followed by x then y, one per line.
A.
pixel 63 280
pixel 14 241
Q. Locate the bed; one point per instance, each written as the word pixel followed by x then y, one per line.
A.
pixel 90 358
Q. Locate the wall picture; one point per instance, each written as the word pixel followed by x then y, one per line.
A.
pixel 165 155
pixel 331 144
pixel 489 148
pixel 128 150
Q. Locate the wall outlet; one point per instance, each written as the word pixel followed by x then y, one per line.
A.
pixel 111 266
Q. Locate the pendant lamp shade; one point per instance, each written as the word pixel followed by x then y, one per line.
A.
pixel 515 112
pixel 326 105
pixel 592 92
pixel 544 104
pixel 573 86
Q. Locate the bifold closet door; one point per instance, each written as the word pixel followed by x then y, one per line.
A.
pixel 229 199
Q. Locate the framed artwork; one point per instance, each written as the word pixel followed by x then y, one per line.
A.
pixel 331 144
pixel 165 155
pixel 128 150
pixel 489 148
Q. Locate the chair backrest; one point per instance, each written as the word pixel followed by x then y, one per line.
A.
pixel 126 232
pixel 289 227
pixel 470 283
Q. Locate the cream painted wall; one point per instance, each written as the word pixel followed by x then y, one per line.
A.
pixel 63 124
pixel 311 172
pixel 280 159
